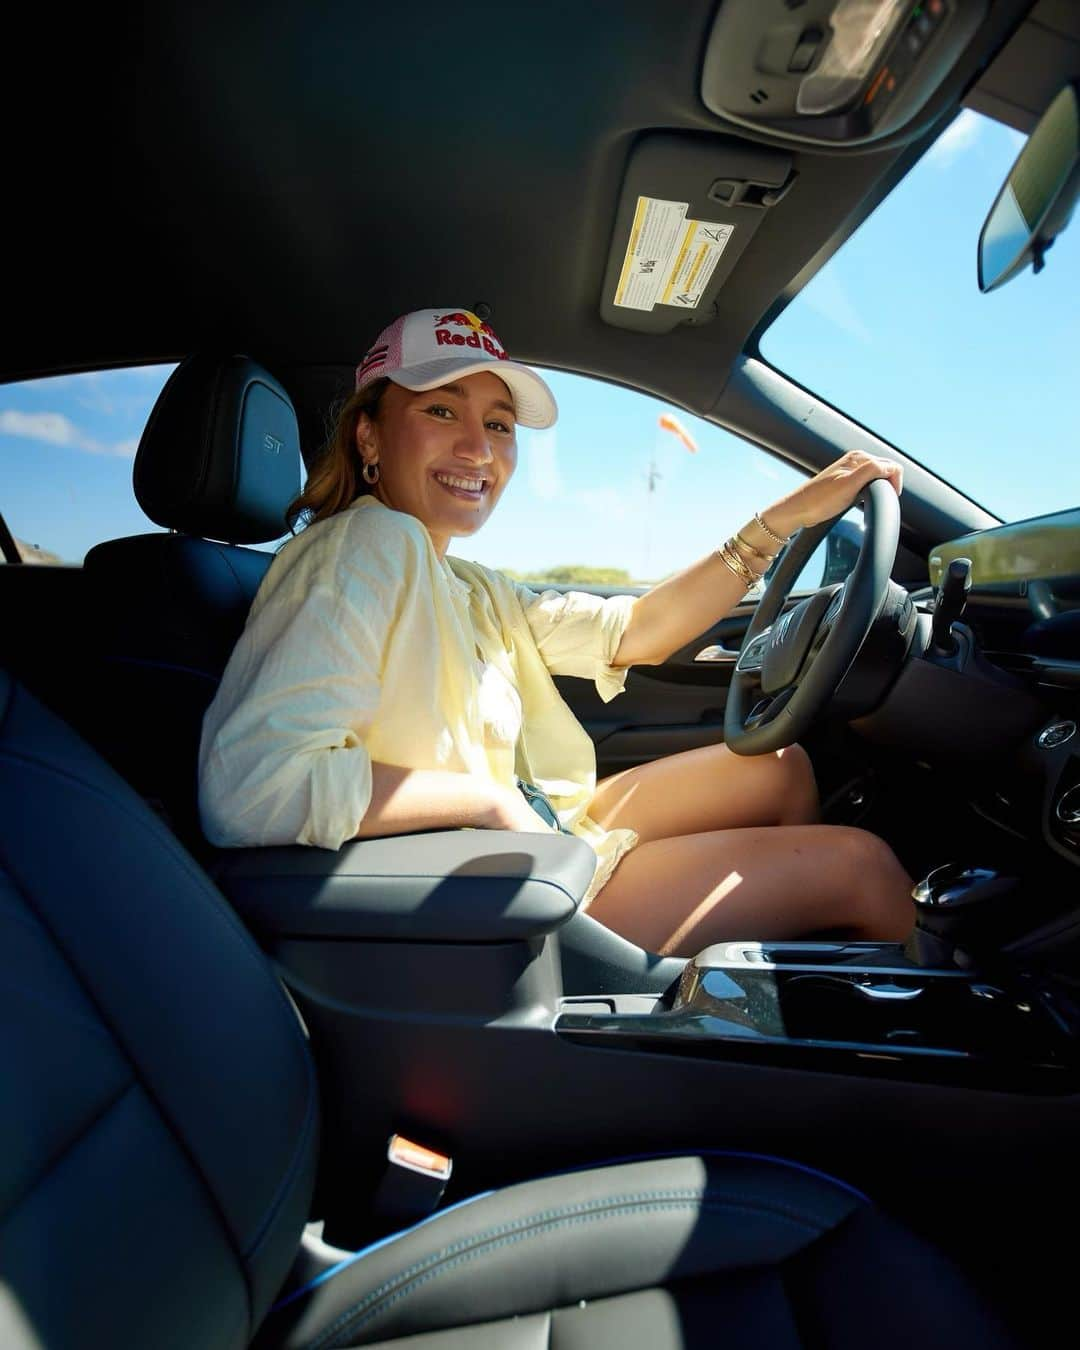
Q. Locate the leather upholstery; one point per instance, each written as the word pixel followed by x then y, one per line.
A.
pixel 680 1252
pixel 165 610
pixel 220 454
pixel 157 1145
pixel 443 886
pixel 165 613
pixel 159 1118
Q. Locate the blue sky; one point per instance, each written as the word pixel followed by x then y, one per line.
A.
pixel 893 330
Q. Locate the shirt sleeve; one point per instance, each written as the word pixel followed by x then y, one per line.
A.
pixel 286 761
pixel 578 634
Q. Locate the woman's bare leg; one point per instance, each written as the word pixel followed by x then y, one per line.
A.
pixel 709 789
pixel 678 895
pixel 727 852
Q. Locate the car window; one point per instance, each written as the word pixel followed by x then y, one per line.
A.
pixel 66 450
pixel 625 490
pixel 895 331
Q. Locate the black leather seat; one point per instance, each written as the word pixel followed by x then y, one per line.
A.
pixel 218 463
pixel 158 1134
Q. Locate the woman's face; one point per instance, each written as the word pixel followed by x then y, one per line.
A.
pixel 444 456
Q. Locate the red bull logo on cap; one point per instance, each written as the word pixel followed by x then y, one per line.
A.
pixel 480 335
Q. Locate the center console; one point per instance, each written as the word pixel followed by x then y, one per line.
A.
pixel 454 992
pixel 847 1008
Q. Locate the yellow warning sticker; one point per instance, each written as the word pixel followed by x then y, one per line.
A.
pixel 669 259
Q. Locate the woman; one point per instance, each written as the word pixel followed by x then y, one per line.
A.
pixel 381 687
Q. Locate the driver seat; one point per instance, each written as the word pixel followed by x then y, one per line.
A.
pixel 217 466
pixel 159 1128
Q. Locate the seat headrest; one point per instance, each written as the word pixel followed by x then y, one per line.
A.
pixel 220 455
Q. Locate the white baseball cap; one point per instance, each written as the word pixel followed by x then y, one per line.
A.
pixel 431 347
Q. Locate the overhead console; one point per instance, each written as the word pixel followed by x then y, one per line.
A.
pixel 836 72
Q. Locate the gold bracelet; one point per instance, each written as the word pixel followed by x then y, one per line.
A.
pixel 771 533
pixel 756 571
pixel 757 552
pixel 734 563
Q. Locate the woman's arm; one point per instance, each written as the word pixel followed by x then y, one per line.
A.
pixel 404 800
pixel 685 605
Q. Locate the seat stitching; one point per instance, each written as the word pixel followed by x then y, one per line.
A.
pixel 70 1015
pixel 235 574
pixel 299 1154
pixel 471 1248
pixel 95 1119
pixel 151 824
pixel 166 1119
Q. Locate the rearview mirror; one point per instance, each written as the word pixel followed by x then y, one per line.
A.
pixel 1035 203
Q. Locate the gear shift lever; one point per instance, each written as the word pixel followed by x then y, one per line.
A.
pixel 951 599
pixel 963 906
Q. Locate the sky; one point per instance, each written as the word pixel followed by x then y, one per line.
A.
pixel 893 331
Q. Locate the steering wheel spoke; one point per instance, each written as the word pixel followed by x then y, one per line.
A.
pixel 768 707
pixel 753 653
pixel 792 660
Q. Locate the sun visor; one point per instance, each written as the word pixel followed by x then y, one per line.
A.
pixel 689 207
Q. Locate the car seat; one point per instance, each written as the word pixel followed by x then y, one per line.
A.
pixel 159 1128
pixel 217 466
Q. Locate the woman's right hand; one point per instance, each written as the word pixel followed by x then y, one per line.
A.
pixel 510 811
pixel 406 800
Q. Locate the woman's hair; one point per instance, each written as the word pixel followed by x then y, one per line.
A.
pixel 334 480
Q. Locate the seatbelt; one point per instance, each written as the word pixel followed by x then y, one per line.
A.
pixel 413 1184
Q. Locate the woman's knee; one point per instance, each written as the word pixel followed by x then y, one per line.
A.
pixel 797 788
pixel 878 887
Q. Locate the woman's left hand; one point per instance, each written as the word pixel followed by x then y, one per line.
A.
pixel 830 492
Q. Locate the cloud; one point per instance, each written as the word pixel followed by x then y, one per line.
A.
pixel 127 391
pixel 762 466
pixel 55 429
pixel 541 452
pixel 827 296
pixel 961 133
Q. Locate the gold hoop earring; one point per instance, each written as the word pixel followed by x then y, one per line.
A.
pixel 370 473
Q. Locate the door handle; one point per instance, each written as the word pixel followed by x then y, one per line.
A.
pixel 719 653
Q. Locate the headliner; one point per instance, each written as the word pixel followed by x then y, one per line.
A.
pixel 284 179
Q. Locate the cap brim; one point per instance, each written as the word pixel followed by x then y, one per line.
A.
pixel 534 403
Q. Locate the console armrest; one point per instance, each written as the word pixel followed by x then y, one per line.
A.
pixel 448 886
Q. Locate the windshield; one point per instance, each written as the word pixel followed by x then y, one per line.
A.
pixel 894 331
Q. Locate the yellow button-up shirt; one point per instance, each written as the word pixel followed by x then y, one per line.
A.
pixel 362 645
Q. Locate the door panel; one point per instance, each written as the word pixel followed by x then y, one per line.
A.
pixel 664 709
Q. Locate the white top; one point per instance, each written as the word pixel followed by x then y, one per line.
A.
pixel 362 645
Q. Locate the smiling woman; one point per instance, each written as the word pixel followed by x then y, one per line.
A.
pixel 381 687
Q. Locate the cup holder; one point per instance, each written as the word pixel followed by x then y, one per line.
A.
pixel 933 1013
pixel 920 1010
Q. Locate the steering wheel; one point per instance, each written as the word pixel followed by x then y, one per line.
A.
pixel 790 666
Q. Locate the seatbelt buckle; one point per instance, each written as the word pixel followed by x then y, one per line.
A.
pixel 414 1181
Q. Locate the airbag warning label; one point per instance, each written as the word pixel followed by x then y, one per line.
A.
pixel 669 259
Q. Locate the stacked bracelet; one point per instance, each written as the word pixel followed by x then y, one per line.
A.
pixel 777 540
pixel 730 557
pixel 757 552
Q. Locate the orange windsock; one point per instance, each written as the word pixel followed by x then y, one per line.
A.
pixel 672 424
